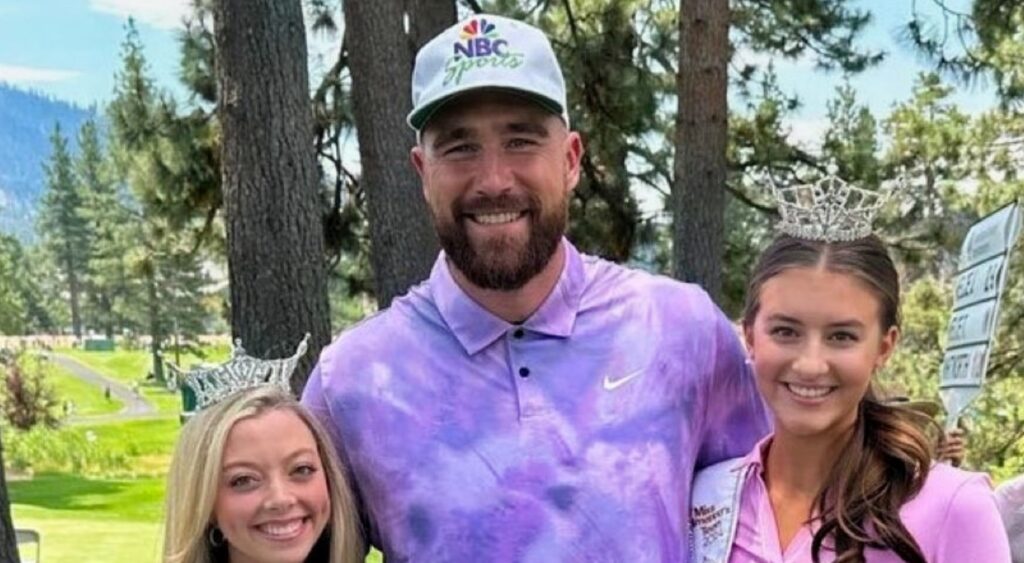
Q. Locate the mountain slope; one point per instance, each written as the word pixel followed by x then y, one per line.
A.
pixel 26 121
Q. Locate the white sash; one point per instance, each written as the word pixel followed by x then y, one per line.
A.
pixel 715 510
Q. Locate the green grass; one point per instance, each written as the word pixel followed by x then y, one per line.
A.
pixel 125 366
pixel 148 443
pixel 131 366
pixel 84 520
pixel 87 398
pixel 95 521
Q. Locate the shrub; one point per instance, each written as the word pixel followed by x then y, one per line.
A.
pixel 27 400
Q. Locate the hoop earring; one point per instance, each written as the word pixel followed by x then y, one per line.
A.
pixel 215 537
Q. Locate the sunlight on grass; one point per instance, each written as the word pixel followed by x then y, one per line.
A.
pixel 88 399
pixel 130 368
pixel 85 520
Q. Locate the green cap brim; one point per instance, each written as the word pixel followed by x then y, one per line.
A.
pixel 420 117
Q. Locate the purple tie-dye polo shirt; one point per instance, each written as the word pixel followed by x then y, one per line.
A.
pixel 571 437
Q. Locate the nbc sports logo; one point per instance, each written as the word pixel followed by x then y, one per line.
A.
pixel 479 47
pixel 479 38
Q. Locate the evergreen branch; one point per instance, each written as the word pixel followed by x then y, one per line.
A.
pixel 749 202
pixel 474 5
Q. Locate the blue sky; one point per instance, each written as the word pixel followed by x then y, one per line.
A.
pixel 70 49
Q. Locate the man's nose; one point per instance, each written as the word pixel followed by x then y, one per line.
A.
pixel 495 174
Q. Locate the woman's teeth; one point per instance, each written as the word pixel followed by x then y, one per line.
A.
pixel 809 392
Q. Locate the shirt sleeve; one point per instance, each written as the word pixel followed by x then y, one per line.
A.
pixel 314 401
pixel 735 417
pixel 972 529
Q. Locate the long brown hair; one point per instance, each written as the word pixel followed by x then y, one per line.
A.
pixel 887 459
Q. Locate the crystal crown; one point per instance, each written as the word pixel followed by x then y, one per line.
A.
pixel 828 210
pixel 242 372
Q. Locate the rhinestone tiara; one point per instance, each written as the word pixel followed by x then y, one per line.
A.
pixel 829 210
pixel 242 372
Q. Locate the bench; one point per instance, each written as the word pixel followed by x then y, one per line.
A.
pixel 27 536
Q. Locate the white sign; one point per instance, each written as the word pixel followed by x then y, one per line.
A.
pixel 981 275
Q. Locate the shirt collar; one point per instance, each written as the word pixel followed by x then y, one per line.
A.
pixel 476 327
pixel 755 458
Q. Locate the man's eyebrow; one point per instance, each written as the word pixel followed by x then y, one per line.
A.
pixel 449 135
pixel 531 127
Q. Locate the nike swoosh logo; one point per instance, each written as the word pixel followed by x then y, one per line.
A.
pixel 610 384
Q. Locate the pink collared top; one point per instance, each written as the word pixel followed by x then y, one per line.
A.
pixel 953 519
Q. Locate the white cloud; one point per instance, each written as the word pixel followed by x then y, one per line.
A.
pixel 808 133
pixel 165 14
pixel 30 75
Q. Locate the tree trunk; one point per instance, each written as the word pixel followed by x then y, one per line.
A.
pixel 74 290
pixel 402 240
pixel 427 18
pixel 698 190
pixel 156 333
pixel 271 188
pixel 8 541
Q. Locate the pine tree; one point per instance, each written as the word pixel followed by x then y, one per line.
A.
pixel 151 148
pixel 106 218
pixel 275 241
pixel 62 225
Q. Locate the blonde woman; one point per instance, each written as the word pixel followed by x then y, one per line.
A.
pixel 255 479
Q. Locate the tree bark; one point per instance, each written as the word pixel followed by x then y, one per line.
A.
pixel 156 332
pixel 698 190
pixel 74 290
pixel 271 188
pixel 8 541
pixel 427 18
pixel 403 244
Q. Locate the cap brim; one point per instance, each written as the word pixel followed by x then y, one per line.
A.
pixel 419 118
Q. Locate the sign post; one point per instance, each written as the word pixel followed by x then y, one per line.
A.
pixel 981 275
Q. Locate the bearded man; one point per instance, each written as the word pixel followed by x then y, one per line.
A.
pixel 526 402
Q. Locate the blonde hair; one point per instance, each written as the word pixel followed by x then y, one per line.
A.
pixel 195 473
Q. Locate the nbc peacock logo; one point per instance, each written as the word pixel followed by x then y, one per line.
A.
pixel 479 38
pixel 479 46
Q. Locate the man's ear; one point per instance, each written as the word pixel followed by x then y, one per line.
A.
pixel 573 156
pixel 416 155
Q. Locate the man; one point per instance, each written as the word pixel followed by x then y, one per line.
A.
pixel 526 403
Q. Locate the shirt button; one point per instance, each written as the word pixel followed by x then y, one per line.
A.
pixel 524 372
pixel 518 333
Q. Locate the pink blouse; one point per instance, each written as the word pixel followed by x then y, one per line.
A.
pixel 953 519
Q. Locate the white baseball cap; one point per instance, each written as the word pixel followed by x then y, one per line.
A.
pixel 486 51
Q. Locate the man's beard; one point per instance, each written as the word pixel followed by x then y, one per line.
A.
pixel 503 263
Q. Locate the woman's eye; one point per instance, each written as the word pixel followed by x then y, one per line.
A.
pixel 783 332
pixel 242 482
pixel 844 337
pixel 305 470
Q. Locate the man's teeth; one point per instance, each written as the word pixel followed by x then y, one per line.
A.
pixel 281 529
pixel 809 392
pixel 495 218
